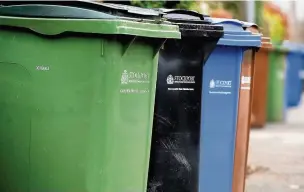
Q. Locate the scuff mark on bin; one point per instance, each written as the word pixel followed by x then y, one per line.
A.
pixel 182 160
pixel 169 144
pixel 163 120
pixel 154 185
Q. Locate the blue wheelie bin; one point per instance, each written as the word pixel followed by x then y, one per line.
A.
pixel 220 95
pixel 294 61
pixel 302 69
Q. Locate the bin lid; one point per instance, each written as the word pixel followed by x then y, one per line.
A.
pixel 292 47
pixel 56 17
pixel 266 43
pixel 78 9
pixel 235 35
pixel 279 47
pixel 254 28
pixel 192 23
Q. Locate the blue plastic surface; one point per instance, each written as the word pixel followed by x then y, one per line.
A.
pixel 235 35
pixel 220 96
pixel 294 60
pixel 302 71
pixel 302 68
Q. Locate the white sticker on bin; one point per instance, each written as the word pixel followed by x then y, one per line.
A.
pixel 246 80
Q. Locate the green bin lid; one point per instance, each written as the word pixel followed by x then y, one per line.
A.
pixel 57 17
pixel 79 9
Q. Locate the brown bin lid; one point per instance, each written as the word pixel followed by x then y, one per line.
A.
pixel 266 41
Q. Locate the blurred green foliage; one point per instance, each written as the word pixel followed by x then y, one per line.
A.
pixel 235 7
pixel 189 5
pixel 259 13
pixel 148 4
pixel 231 6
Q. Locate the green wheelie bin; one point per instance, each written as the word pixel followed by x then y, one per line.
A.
pixel 77 95
pixel 276 97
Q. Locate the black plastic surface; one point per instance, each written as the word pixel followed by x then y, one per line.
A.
pixel 174 158
pixel 192 23
pixel 76 9
pixel 186 15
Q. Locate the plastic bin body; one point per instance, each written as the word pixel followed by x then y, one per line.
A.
pixel 259 101
pixel 302 68
pixel 248 76
pixel 174 157
pixel 302 72
pixel 276 96
pixel 294 67
pixel 243 121
pixel 221 84
pixel 77 105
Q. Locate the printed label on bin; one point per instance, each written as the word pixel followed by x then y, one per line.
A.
pixel 134 77
pixel 130 78
pixel 42 68
pixel 171 80
pixel 245 82
pixel 223 84
pixel 180 79
pixel 134 91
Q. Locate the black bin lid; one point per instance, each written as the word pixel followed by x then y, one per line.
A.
pixel 79 9
pixel 192 23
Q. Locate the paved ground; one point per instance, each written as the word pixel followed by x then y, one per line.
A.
pixel 278 153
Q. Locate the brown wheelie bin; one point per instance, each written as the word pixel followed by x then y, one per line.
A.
pixel 248 72
pixel 259 102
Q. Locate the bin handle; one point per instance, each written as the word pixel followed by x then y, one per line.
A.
pixel 129 9
pixel 182 11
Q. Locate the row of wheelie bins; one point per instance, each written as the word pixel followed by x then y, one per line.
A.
pixel 280 83
pixel 100 97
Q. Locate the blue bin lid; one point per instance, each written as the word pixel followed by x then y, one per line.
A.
pixel 235 34
pixel 293 47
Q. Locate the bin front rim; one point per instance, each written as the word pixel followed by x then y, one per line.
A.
pixel 241 40
pixel 119 26
pixel 235 35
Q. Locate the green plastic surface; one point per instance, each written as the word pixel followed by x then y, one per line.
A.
pixel 276 85
pixel 76 111
pixel 47 26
